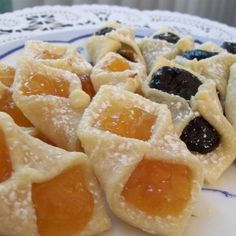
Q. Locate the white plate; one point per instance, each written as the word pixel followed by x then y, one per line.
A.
pixel 215 213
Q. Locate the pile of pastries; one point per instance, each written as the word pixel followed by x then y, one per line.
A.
pixel 142 124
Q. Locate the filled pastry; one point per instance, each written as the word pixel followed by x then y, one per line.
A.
pixel 113 69
pixel 155 180
pixel 46 190
pixel 62 56
pixel 164 43
pixel 211 61
pixel 197 114
pixel 52 99
pixel 114 37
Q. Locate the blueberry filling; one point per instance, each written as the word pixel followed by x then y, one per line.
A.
pixel 200 136
pixel 167 36
pixel 175 81
pixel 104 31
pixel 230 47
pixel 198 54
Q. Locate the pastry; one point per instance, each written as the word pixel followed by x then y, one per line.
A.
pixel 52 99
pixel 114 37
pixel 197 114
pixel 210 61
pixel 113 69
pixel 133 138
pixel 62 56
pixel 164 43
pixel 45 190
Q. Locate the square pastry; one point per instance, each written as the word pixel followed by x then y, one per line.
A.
pixel 211 61
pixel 150 179
pixel 62 56
pixel 114 37
pixel 197 114
pixel 164 43
pixel 45 190
pixel 52 99
pixel 113 69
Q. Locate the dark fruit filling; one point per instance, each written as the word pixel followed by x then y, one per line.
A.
pixel 167 36
pixel 175 81
pixel 230 47
pixel 198 54
pixel 200 136
pixel 104 31
pixel 128 53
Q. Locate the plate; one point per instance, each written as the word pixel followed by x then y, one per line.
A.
pixel 215 212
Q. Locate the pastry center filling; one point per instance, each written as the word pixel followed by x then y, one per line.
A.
pixel 63 205
pixel 200 136
pixel 167 36
pixel 7 76
pixel 198 54
pixel 117 65
pixel 104 31
pixel 41 85
pixel 230 47
pixel 46 54
pixel 127 52
pixel 7 105
pixel 175 81
pixel 127 122
pixel 5 161
pixel 87 85
pixel 159 188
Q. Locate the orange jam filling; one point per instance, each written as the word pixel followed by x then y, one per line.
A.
pixel 41 85
pixel 43 138
pixel 127 122
pixel 5 162
pixel 63 205
pixel 87 85
pixel 159 188
pixel 7 75
pixel 117 65
pixel 7 105
pixel 46 54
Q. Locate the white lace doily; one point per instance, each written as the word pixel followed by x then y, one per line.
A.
pixel 39 20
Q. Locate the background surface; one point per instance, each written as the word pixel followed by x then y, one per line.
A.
pixel 220 10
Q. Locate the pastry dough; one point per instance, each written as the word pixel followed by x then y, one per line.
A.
pixel 152 48
pixel 62 56
pixel 121 37
pixel 215 68
pixel 36 165
pixel 121 155
pixel 55 116
pixel 114 69
pixel 204 103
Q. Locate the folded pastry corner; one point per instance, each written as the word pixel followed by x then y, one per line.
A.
pixel 150 179
pixel 45 190
pixel 52 99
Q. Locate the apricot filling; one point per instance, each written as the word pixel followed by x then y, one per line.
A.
pixel 63 205
pixel 159 188
pixel 41 85
pixel 87 85
pixel 5 162
pixel 117 65
pixel 7 75
pixel 7 105
pixel 127 122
